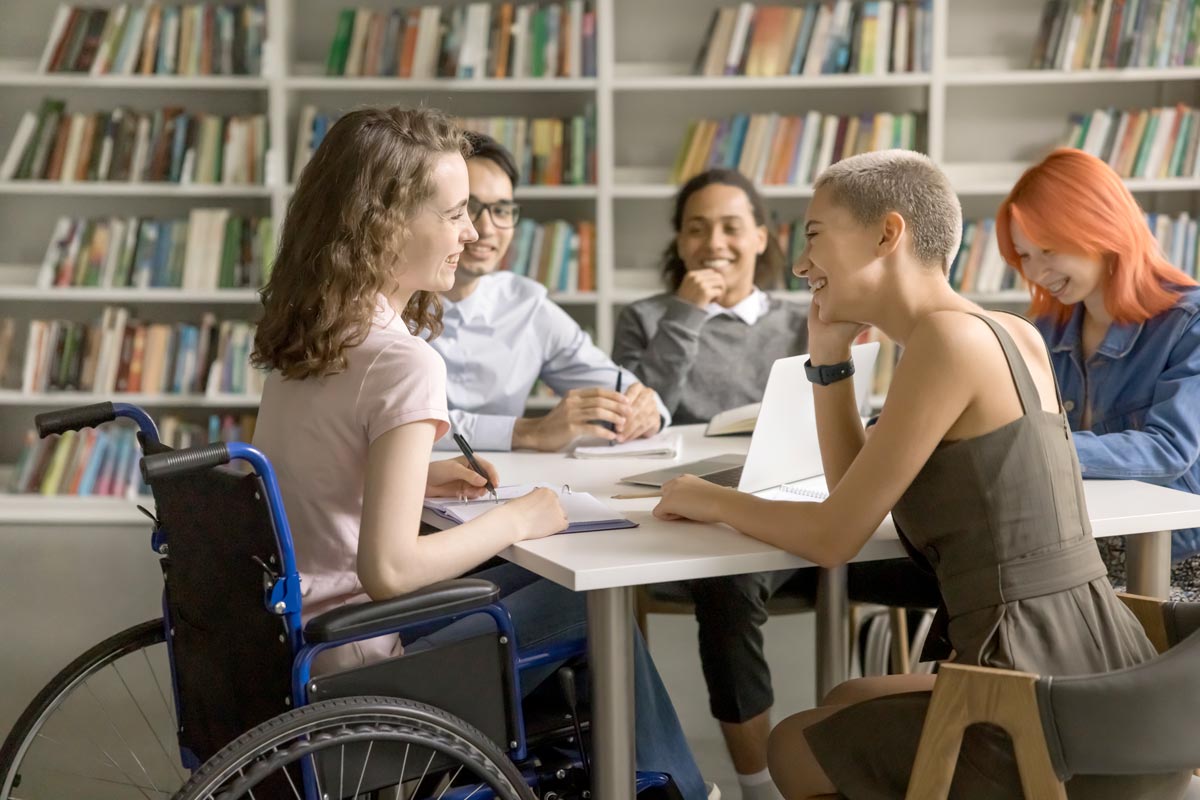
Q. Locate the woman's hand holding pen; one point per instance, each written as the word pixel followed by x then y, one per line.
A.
pixel 455 478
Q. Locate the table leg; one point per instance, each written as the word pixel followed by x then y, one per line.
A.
pixel 1148 564
pixel 832 635
pixel 610 653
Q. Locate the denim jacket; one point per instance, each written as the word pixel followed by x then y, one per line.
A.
pixel 1143 384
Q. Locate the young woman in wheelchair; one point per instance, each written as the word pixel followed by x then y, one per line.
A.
pixel 356 399
pixel 972 455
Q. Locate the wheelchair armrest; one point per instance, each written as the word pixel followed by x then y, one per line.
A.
pixel 386 616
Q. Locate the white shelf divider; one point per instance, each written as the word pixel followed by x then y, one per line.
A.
pixel 131 189
pixel 154 401
pixel 23 73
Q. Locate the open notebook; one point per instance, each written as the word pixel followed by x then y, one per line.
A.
pixel 584 512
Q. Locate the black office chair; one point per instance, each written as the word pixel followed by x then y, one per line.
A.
pixel 1140 720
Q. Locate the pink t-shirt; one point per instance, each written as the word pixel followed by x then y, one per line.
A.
pixel 316 433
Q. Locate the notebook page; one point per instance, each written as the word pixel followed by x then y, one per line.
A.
pixel 580 507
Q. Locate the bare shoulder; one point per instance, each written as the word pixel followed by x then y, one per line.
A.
pixel 956 336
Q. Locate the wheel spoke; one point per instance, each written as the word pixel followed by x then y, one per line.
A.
pixel 425 771
pixel 403 767
pixel 450 782
pixel 121 736
pixel 288 774
pixel 363 774
pixel 158 739
pixel 169 706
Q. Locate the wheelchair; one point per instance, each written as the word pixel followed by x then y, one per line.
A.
pixel 217 699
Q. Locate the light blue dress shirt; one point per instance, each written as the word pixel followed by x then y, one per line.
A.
pixel 498 342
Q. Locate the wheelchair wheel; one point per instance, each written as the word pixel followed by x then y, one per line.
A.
pixel 360 747
pixel 103 728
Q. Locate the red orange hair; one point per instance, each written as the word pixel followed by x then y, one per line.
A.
pixel 1075 203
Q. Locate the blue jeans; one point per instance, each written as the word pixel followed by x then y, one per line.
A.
pixel 543 613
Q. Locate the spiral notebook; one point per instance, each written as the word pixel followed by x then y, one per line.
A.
pixel 811 491
pixel 584 511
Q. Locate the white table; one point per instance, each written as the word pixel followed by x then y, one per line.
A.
pixel 609 564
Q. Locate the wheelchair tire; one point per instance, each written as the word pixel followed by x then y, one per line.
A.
pixel 277 746
pixel 56 707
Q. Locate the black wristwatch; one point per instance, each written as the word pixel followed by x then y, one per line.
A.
pixel 829 373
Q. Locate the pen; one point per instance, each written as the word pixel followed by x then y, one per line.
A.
pixel 620 375
pixel 470 454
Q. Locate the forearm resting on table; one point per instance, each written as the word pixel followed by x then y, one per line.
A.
pixel 803 529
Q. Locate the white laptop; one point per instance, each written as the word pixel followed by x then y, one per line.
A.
pixel 784 447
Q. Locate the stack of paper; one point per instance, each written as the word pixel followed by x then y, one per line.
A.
pixel 664 445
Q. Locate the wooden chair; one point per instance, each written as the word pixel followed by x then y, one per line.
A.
pixel 1149 715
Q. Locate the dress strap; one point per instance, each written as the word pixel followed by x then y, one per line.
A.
pixel 1026 388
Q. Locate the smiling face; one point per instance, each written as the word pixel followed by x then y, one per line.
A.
pixel 838 257
pixel 439 231
pixel 1068 278
pixel 489 184
pixel 718 232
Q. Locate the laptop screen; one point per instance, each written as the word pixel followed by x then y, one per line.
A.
pixel 784 447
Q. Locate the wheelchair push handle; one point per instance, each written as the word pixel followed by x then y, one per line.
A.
pixel 179 462
pixel 73 419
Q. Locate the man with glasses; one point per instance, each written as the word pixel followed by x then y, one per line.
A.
pixel 502 333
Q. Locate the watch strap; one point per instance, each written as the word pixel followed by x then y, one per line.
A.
pixel 829 373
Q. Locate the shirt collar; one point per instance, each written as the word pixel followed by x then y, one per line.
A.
pixel 478 307
pixel 1118 340
pixel 385 316
pixel 750 310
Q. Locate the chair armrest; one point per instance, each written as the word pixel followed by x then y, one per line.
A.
pixel 387 616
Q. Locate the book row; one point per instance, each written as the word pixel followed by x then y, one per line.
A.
pixel 559 255
pixel 548 152
pixel 156 39
pixel 788 150
pixel 103 461
pixel 475 40
pixel 1146 143
pixel 212 249
pixel 168 144
pixel 121 354
pixel 1177 238
pixel 1103 34
pixel 818 38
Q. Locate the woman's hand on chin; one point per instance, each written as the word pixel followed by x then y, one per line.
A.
pixel 829 342
pixel 689 497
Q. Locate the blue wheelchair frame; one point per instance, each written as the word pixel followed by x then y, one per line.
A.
pixel 282 598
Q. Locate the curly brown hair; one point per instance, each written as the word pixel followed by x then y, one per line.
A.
pixel 346 223
pixel 770 265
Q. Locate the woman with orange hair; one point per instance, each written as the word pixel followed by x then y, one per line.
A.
pixel 1122 324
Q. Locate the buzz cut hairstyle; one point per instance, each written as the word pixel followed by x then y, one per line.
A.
pixel 872 184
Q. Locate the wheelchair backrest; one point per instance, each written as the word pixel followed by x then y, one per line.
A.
pixel 231 657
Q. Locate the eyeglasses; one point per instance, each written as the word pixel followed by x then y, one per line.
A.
pixel 505 213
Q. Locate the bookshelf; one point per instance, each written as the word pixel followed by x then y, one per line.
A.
pixel 983 115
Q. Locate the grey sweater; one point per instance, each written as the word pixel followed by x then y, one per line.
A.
pixel 701 366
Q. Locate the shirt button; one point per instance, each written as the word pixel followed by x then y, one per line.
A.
pixel 1069 405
